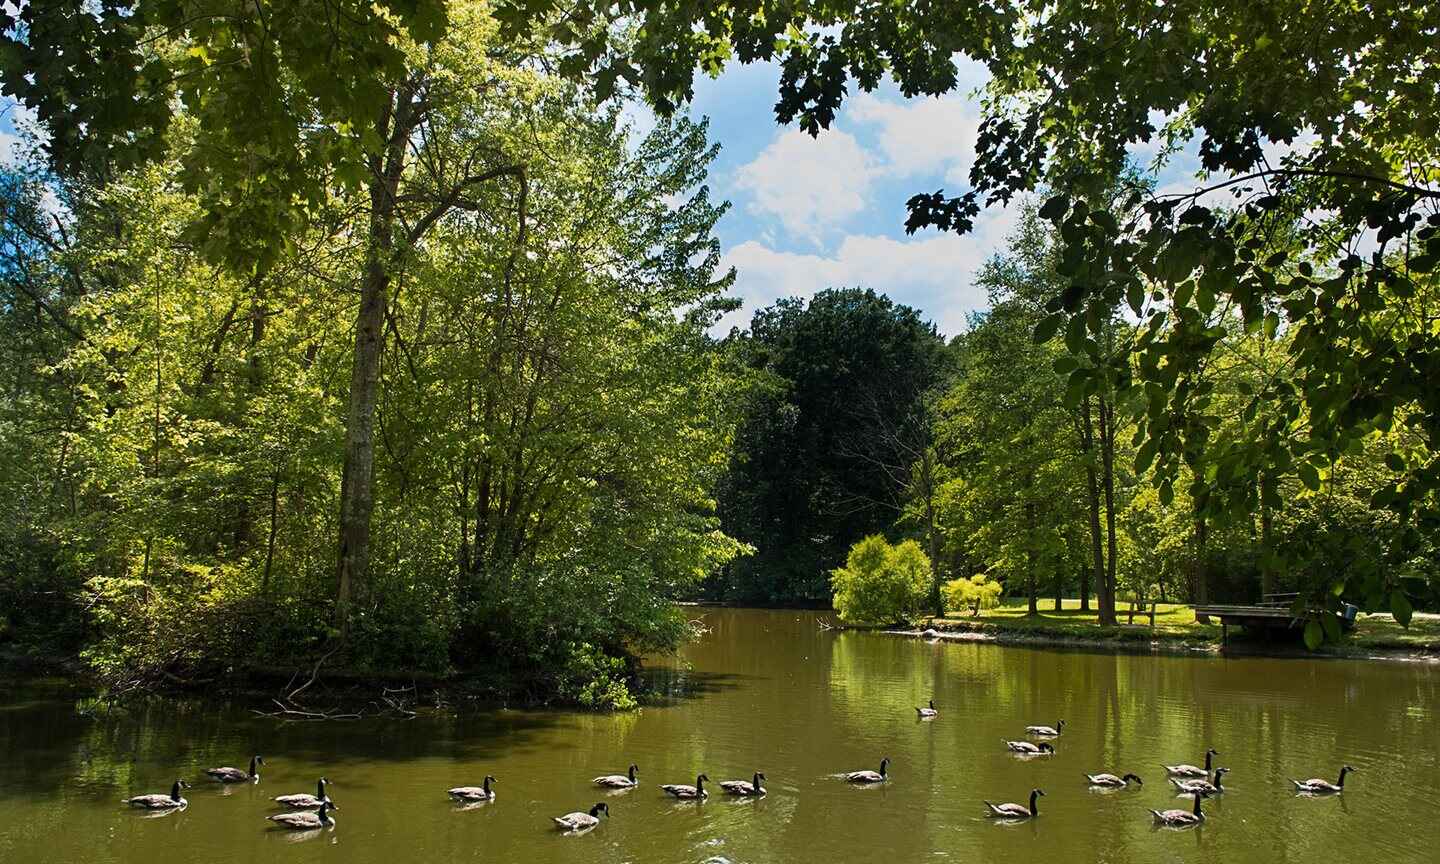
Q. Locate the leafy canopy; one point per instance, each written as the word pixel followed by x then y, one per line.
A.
pixel 880 583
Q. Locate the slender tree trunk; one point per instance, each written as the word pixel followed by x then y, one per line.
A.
pixel 1092 495
pixel 1267 555
pixel 927 477
pixel 1030 559
pixel 1107 453
pixel 1202 577
pixel 357 484
pixel 274 522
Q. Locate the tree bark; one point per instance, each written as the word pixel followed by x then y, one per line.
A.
pixel 1092 494
pixel 1030 559
pixel 1107 454
pixel 1202 578
pixel 1267 524
pixel 927 476
pixel 357 484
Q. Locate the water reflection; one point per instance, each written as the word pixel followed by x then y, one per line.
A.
pixel 768 689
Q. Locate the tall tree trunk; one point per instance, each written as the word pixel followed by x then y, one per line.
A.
pixel 1086 424
pixel 1030 558
pixel 927 477
pixel 357 484
pixel 1107 454
pixel 1202 577
pixel 1267 554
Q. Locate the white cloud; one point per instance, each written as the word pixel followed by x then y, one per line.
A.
pixel 810 184
pixel 922 136
pixel 933 273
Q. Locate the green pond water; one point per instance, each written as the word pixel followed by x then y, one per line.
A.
pixel 769 691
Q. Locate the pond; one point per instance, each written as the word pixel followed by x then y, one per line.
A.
pixel 773 692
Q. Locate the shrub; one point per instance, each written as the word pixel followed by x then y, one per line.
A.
pixel 880 583
pixel 593 679
pixel 975 593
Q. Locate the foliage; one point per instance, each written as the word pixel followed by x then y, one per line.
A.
pixel 974 593
pixel 549 430
pixel 814 467
pixel 880 583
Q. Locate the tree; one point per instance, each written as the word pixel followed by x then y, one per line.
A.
pixel 824 453
pixel 880 583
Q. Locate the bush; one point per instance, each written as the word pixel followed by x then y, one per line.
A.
pixel 975 593
pixel 593 679
pixel 880 583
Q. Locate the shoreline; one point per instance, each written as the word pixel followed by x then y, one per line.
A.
pixel 1141 641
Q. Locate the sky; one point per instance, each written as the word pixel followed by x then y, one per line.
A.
pixel 812 213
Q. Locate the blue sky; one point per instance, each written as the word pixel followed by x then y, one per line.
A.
pixel 815 213
pixel 808 214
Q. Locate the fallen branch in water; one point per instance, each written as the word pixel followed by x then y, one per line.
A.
pixel 314 673
pixel 290 712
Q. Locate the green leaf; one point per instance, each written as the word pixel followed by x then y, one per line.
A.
pixel 1064 365
pixel 1075 335
pixel 1394 461
pixel 1400 607
pixel 1048 327
pixel 1309 476
pixel 1331 623
pixel 1167 493
pixel 1055 207
pixel 1314 634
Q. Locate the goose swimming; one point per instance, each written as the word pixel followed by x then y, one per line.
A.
pixel 1017 811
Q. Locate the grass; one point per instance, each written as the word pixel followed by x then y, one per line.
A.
pixel 1175 623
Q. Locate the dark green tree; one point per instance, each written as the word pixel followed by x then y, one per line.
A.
pixel 818 463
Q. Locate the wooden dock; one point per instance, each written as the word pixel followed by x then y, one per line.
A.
pixel 1273 612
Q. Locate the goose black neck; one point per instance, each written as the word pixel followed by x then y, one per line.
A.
pixel 486 786
pixel 884 764
pixel 700 784
pixel 175 791
pixel 1198 796
pixel 1034 801
pixel 1218 774
pixel 632 773
pixel 756 781
pixel 1343 772
pixel 1208 757
pixel 254 761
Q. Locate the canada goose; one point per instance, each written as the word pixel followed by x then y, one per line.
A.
pixel 1316 786
pixel 869 776
pixel 1017 811
pixel 1111 781
pixel 582 821
pixel 618 781
pixel 688 793
pixel 1202 787
pixel 1180 818
pixel 1046 731
pixel 927 712
pixel 235 775
pixel 1025 748
pixel 1192 770
pixel 473 793
pixel 749 788
pixel 304 801
pixel 306 820
pixel 161 802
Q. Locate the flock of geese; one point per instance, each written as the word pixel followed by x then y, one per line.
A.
pixel 306 812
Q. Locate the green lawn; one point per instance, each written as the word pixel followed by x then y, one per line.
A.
pixel 1174 622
